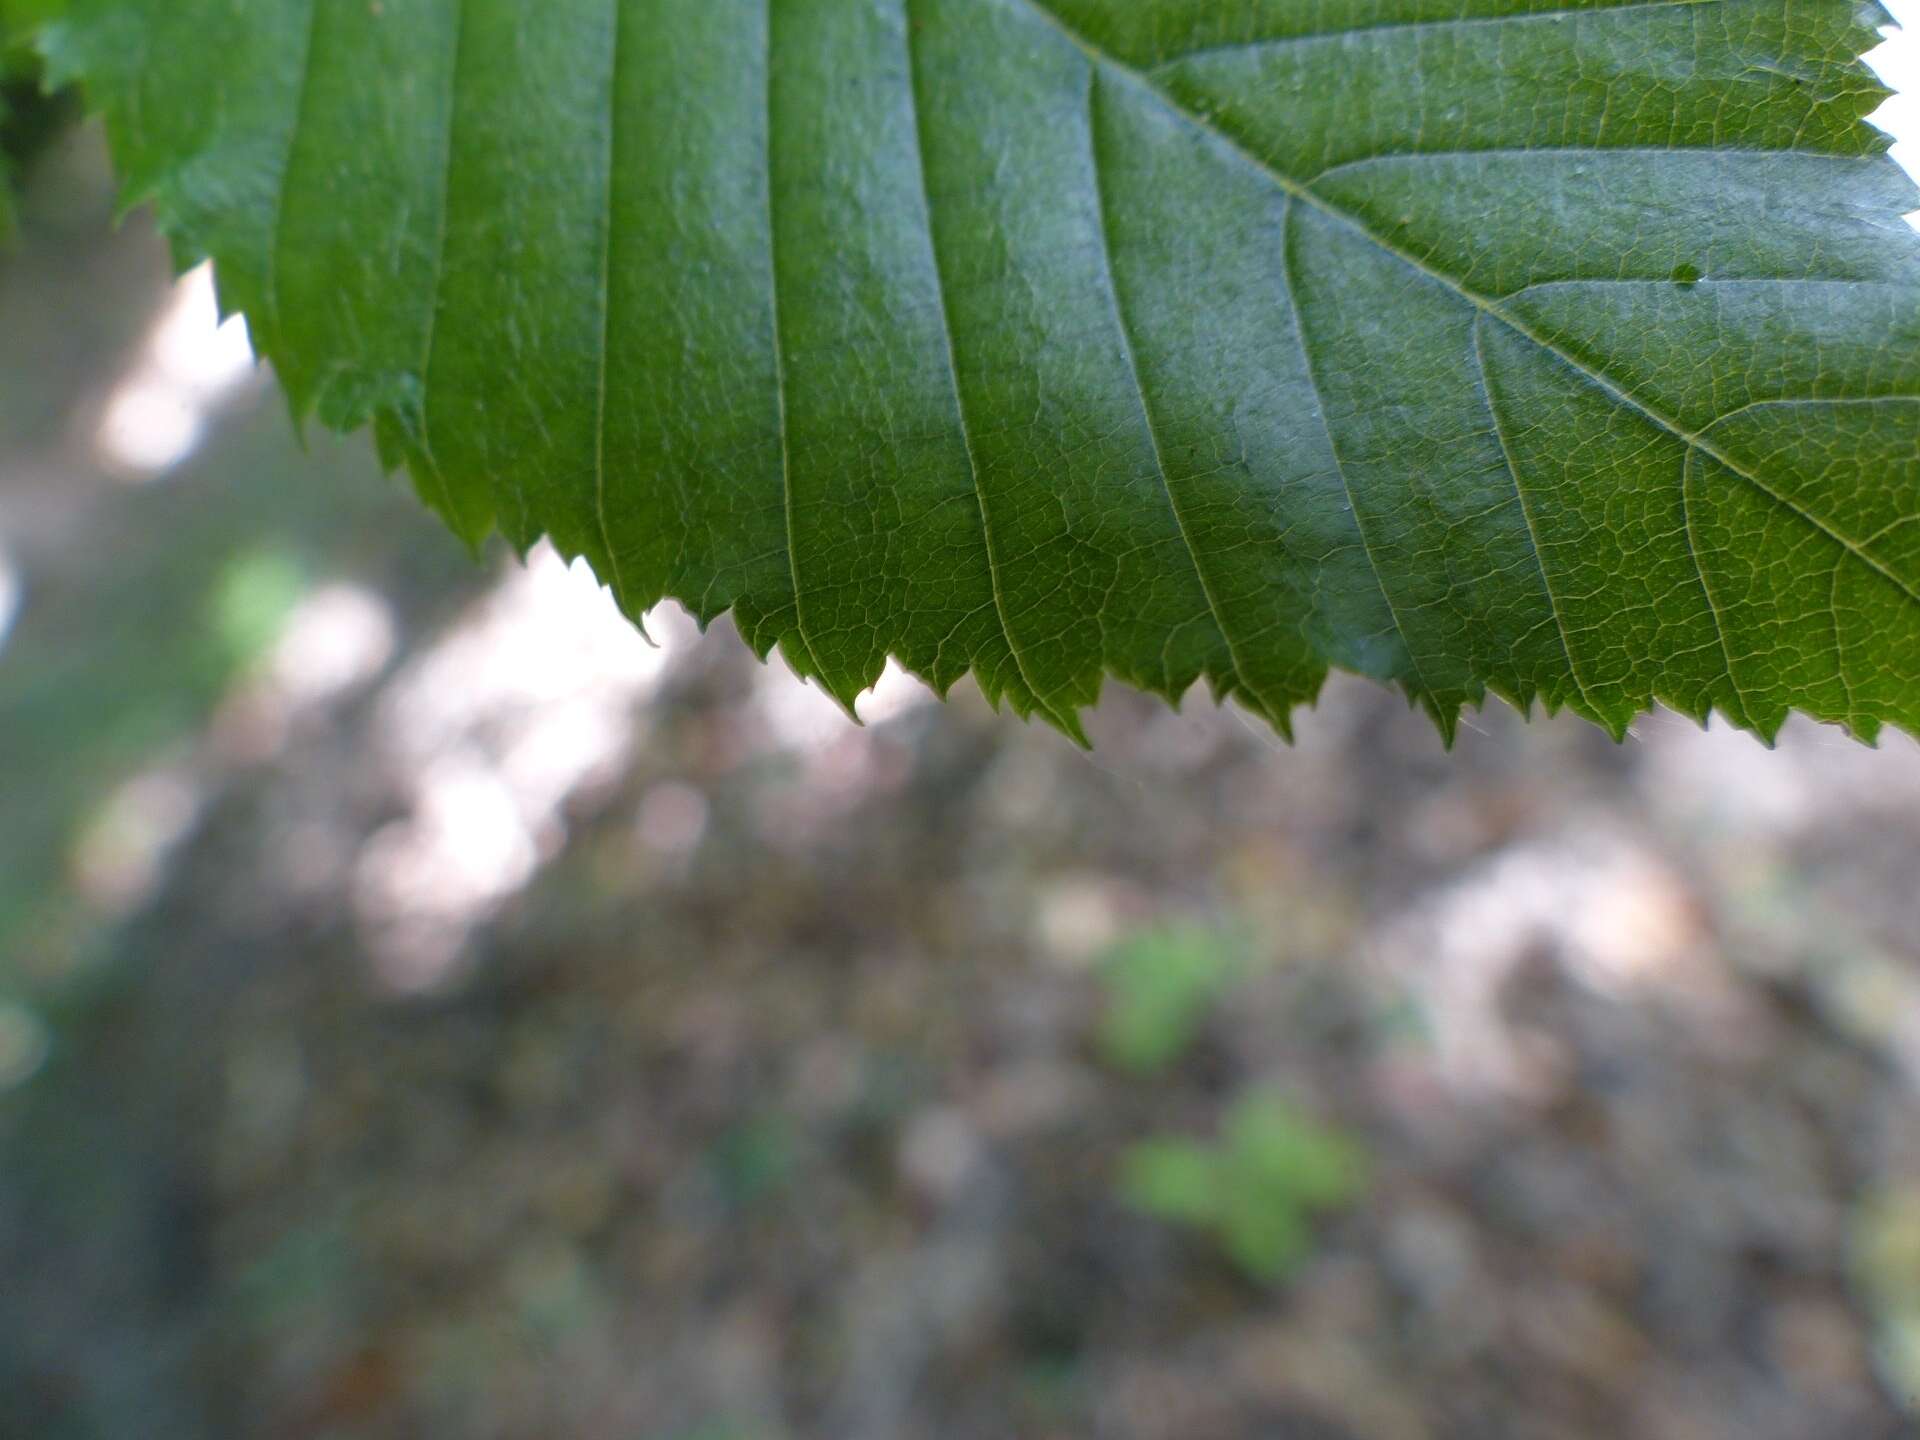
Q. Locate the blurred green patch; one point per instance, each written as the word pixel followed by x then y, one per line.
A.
pixel 1053 1388
pixel 252 598
pixel 24 1045
pixel 1886 1273
pixel 553 1289
pixel 1160 986
pixel 305 1273
pixel 1257 1190
pixel 716 1430
pixel 755 1159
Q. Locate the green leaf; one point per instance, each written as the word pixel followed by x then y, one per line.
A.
pixel 1176 1180
pixel 1160 985
pixel 1564 349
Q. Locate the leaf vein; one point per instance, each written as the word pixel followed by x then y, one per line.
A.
pixel 277 226
pixel 1020 662
pixel 1593 374
pixel 612 162
pixel 1444 22
pixel 1277 712
pixel 780 369
pixel 437 284
pixel 1333 445
pixel 1533 529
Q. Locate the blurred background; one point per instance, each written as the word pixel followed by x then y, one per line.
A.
pixel 427 1008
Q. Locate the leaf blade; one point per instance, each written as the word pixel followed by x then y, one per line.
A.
pixel 1164 340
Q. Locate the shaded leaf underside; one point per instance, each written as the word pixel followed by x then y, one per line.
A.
pixel 1569 351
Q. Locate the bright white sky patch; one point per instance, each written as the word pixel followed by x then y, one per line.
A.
pixel 1898 63
pixel 529 699
pixel 9 598
pixel 191 363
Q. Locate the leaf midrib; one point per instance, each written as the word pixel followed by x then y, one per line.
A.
pixel 1486 304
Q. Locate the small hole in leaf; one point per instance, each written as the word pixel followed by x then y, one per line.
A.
pixel 1686 275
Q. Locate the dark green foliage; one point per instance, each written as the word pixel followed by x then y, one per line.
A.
pixel 1561 349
